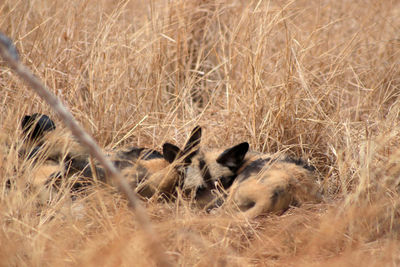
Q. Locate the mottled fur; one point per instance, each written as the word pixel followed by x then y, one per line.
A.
pixel 148 171
pixel 202 170
pixel 271 185
pixel 56 157
pixel 51 157
pixel 47 150
pixel 210 169
pixel 252 182
pixel 166 179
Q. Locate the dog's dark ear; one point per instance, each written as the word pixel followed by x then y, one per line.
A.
pixel 191 146
pixel 171 152
pixel 233 157
pixel 26 123
pixel 36 125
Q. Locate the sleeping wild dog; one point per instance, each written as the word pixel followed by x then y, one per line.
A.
pixel 26 157
pixel 62 158
pixel 149 172
pixel 45 149
pixel 251 182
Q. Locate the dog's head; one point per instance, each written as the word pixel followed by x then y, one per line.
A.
pixel 204 170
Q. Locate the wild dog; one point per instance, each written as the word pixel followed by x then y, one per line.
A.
pixel 134 159
pixel 24 158
pixel 251 182
pixel 43 151
pixel 42 139
pixel 46 149
pixel 147 170
pixel 206 169
pixel 61 157
pixel 163 177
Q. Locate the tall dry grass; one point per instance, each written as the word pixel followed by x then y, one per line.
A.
pixel 317 79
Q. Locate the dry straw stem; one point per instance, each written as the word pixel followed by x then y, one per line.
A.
pixel 9 54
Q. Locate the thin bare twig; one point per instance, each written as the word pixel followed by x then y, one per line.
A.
pixel 10 55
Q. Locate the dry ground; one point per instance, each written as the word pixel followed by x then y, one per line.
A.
pixel 318 79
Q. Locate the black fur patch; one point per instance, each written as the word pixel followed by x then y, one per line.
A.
pixel 122 164
pixel 82 167
pixel 135 152
pixel 151 154
pixel 199 191
pixel 34 152
pixel 227 181
pixel 36 125
pixel 253 168
pixel 233 157
pixel 171 152
pixel 220 201
pixel 79 185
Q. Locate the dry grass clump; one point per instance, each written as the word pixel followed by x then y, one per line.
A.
pixel 316 79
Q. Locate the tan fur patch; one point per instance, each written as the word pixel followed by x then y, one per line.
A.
pixel 162 181
pixel 152 176
pixel 58 144
pixel 273 189
pixel 41 172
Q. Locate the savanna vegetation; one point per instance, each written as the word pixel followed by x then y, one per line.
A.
pixel 314 79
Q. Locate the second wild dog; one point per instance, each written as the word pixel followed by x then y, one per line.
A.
pixel 250 182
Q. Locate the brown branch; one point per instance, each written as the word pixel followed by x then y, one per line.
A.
pixel 10 55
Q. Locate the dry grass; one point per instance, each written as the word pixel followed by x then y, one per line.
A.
pixel 317 79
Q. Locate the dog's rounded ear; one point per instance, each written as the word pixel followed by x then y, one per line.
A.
pixel 233 157
pixel 171 152
pixel 36 125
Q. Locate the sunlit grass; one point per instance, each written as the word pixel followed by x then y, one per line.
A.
pixel 316 79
